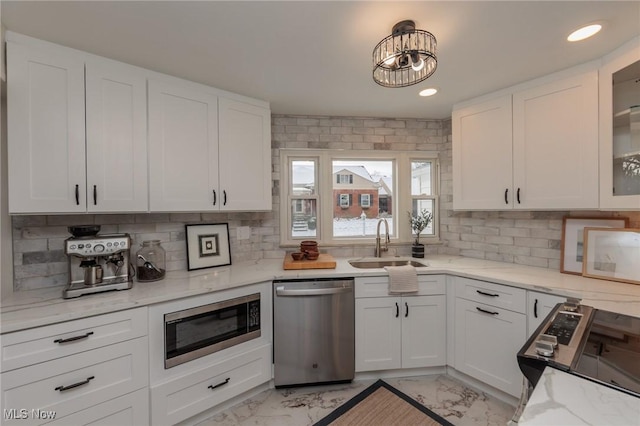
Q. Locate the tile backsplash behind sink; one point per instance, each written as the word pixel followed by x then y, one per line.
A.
pixel 530 238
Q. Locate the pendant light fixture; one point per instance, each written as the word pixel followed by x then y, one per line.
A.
pixel 406 57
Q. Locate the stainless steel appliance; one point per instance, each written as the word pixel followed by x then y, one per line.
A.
pixel 597 345
pixel 314 331
pixel 195 332
pixel 97 262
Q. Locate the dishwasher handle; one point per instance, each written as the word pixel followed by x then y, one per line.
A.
pixel 281 291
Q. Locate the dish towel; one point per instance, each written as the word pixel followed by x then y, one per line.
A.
pixel 402 279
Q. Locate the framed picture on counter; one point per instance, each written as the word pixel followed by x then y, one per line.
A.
pixel 572 245
pixel 612 254
pixel 207 245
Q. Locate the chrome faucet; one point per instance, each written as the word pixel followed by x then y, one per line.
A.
pixel 379 249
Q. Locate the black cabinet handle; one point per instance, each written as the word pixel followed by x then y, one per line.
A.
pixel 75 385
pixel 518 195
pixel 73 339
pixel 535 309
pixel 397 310
pixel 95 195
pixel 224 201
pixel 506 192
pixel 214 197
pixel 219 384
pixel 77 195
pixel 487 312
pixel 406 313
pixel 487 294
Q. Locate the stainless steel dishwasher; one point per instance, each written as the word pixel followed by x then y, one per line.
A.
pixel 314 331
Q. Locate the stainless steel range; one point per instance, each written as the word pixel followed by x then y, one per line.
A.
pixel 597 345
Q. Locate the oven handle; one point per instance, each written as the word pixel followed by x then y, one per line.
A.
pixel 281 291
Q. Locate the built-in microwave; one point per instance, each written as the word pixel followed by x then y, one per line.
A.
pixel 195 332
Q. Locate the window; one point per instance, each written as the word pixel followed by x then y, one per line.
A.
pixel 338 197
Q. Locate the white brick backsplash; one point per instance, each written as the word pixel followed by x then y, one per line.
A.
pixel 523 237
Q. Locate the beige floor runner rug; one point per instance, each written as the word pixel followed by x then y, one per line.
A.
pixel 383 405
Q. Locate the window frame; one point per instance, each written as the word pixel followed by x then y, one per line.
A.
pixel 363 205
pixel 325 200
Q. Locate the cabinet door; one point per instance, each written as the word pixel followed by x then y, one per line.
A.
pixel 245 156
pixel 482 141
pixel 116 137
pixel 423 331
pixel 555 144
pixel 539 305
pixel 486 344
pixel 46 130
pixel 378 334
pixel 183 148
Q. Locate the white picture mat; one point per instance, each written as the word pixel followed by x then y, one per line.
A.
pixel 574 235
pixel 194 258
pixel 613 254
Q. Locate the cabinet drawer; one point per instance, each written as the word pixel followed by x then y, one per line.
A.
pixel 500 296
pixel 127 410
pixel 379 286
pixel 69 384
pixel 42 344
pixel 198 391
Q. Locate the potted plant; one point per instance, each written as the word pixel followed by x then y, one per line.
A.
pixel 418 223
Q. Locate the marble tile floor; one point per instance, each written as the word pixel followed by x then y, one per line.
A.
pixel 302 406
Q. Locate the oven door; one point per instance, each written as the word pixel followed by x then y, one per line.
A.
pixel 203 330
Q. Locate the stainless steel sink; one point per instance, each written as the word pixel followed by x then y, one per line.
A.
pixel 371 264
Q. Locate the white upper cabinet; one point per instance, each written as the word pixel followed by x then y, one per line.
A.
pixel 183 148
pixel 116 137
pixel 482 163
pixel 58 162
pixel 46 130
pixel 532 147
pixel 620 128
pixel 245 156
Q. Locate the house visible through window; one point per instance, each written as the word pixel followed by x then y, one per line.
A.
pixel 364 188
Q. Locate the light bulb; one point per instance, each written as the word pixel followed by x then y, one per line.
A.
pixel 390 60
pixel 428 92
pixel 417 66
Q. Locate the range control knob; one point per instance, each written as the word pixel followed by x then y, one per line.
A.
pixel 98 248
pixel 544 349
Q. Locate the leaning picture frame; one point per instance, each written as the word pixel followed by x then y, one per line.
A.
pixel 571 247
pixel 612 254
pixel 208 245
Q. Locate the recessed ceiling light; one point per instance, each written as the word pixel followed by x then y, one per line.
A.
pixel 584 32
pixel 428 92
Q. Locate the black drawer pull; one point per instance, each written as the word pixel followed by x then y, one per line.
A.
pixel 224 202
pixel 95 195
pixel 219 384
pixel 397 310
pixel 487 312
pixel 535 309
pixel 77 195
pixel 487 294
pixel 214 197
pixel 506 192
pixel 73 339
pixel 406 313
pixel 518 195
pixel 75 385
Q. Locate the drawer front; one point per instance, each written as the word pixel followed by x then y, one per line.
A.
pixel 379 286
pixel 69 384
pixel 194 393
pixel 500 296
pixel 127 410
pixel 42 344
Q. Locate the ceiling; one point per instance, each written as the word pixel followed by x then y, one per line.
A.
pixel 314 57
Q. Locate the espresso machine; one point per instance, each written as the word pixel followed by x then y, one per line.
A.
pixel 97 263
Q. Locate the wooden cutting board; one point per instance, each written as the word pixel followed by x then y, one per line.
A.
pixel 324 261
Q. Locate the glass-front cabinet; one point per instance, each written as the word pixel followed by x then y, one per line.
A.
pixel 620 128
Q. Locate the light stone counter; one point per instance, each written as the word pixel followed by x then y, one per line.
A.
pixel 564 399
pixel 28 309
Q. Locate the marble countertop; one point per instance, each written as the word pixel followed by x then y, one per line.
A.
pixel 561 398
pixel 34 308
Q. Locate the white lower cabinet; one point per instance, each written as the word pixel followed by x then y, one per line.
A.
pixel 400 331
pixel 191 394
pixel 487 338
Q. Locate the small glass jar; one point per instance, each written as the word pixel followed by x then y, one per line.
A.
pixel 150 261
